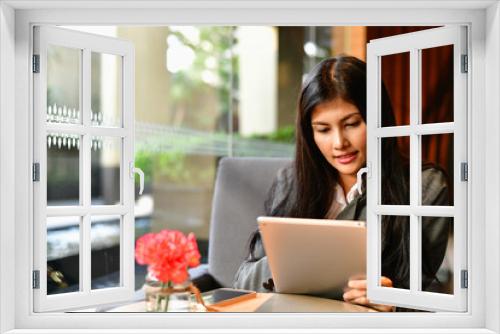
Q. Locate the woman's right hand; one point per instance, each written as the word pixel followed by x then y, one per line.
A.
pixel 355 293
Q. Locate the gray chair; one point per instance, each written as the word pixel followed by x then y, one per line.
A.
pixel 241 188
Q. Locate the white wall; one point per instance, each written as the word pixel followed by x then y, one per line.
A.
pixel 492 124
pixel 7 174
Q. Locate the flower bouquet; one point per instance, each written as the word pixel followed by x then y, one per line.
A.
pixel 168 254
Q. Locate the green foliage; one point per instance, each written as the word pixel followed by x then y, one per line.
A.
pixel 213 57
pixel 172 166
pixel 144 161
pixel 169 165
pixel 285 134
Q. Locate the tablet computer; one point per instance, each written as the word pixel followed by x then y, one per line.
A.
pixel 313 256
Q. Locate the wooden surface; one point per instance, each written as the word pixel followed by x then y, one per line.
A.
pixel 271 302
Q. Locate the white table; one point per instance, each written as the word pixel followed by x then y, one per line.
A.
pixel 272 302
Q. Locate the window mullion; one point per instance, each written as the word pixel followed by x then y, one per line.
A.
pixel 415 260
pixel 127 177
pixel 414 253
pixel 86 130
pixel 58 211
pixel 85 244
pixel 421 210
pixel 420 129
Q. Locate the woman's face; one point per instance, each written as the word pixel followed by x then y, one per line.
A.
pixel 340 134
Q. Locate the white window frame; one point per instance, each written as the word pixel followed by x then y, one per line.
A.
pixel 414 43
pixel 16 18
pixel 46 36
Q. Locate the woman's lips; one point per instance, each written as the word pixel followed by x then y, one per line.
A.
pixel 346 158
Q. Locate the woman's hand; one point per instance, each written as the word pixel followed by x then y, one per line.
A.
pixel 355 293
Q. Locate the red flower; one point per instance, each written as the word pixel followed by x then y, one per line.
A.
pixel 168 254
pixel 143 249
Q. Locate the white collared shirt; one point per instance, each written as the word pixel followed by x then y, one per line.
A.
pixel 340 201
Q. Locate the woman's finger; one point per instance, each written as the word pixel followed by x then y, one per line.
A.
pixel 357 277
pixel 382 308
pixel 357 284
pixel 360 301
pixel 385 281
pixel 353 294
pixel 361 284
pixel 366 302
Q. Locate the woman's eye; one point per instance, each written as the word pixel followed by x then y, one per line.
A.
pixel 322 130
pixel 353 124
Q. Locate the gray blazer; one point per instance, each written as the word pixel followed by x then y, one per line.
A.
pixel 251 275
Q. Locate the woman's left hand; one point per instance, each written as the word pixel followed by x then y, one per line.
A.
pixel 355 293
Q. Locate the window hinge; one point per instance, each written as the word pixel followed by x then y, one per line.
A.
pixel 464 171
pixel 36 172
pixel 36 63
pixel 465 66
pixel 464 279
pixel 36 279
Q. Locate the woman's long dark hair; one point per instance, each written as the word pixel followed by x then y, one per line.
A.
pixel 344 77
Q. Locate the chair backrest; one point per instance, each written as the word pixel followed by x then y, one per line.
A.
pixel 241 188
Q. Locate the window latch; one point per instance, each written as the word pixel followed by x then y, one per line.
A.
pixel 359 181
pixel 135 170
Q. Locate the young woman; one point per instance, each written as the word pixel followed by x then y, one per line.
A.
pixel 321 183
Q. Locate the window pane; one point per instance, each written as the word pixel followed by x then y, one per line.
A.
pixel 183 192
pixel 142 226
pixel 63 84
pixel 396 77
pixel 63 169
pixel 186 90
pixel 437 169
pixel 106 157
pixel 395 256
pixel 107 90
pixel 264 110
pixel 395 171
pixel 437 84
pixel 105 246
pixel 437 254
pixel 63 254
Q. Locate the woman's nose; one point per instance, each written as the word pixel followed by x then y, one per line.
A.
pixel 339 140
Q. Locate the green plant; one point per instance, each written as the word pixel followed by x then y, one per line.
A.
pixel 285 134
pixel 170 165
pixel 214 59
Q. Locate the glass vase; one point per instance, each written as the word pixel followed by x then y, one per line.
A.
pixel 167 297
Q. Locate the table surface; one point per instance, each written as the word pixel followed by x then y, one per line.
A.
pixel 272 302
